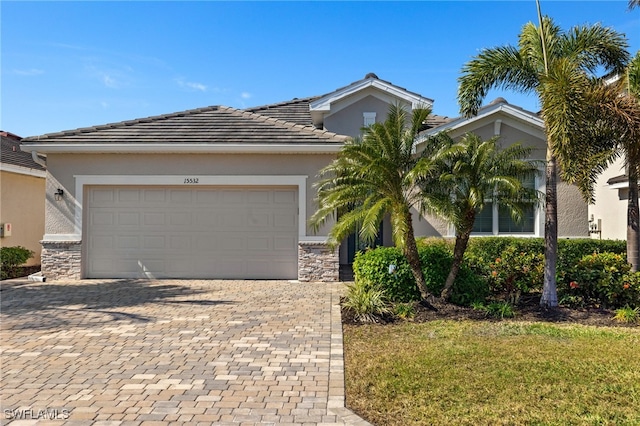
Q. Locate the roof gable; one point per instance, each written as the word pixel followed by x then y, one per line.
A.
pixel 371 85
pixel 519 118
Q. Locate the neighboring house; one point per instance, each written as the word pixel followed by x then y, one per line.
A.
pixel 219 192
pixel 608 215
pixel 22 183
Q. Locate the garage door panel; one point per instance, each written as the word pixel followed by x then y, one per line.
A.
pixel 102 218
pixel 204 232
pixel 128 218
pixel 180 243
pixel 158 196
pixel 153 218
pixel 180 196
pixel 126 242
pixel 127 196
pixel 285 243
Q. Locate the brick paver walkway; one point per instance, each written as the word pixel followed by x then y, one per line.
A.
pixel 129 352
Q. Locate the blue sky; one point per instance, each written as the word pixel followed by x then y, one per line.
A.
pixel 75 64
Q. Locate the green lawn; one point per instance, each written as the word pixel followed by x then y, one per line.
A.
pixel 493 373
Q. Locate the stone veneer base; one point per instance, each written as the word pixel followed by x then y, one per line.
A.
pixel 317 262
pixel 61 260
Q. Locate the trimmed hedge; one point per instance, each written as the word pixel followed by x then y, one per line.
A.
pixel 483 252
pixel 387 268
pixel 10 260
pixel 505 266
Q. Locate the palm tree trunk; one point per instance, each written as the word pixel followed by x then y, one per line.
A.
pixel 411 253
pixel 549 297
pixel 462 240
pixel 633 217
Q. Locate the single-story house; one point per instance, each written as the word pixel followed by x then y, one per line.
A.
pixel 219 192
pixel 22 194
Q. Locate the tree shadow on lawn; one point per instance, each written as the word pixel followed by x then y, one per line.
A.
pixel 90 304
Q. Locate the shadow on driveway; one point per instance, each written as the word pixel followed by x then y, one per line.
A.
pixel 55 305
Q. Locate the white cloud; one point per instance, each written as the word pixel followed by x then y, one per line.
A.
pixel 192 85
pixel 29 72
pixel 109 81
pixel 245 95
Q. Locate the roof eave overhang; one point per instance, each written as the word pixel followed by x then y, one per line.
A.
pixel 11 168
pixel 131 148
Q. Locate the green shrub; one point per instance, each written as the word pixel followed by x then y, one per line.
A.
pixel 404 310
pixel 483 251
pixel 367 302
pixel 627 315
pixel 11 258
pixel 516 272
pixel 571 251
pixel 387 268
pixel 598 279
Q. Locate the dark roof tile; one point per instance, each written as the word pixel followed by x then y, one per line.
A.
pixel 10 152
pixel 209 125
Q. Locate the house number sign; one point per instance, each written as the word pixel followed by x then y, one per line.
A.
pixel 191 180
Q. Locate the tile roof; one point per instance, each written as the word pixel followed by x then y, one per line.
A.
pixel 10 152
pixel 209 125
pixel 295 110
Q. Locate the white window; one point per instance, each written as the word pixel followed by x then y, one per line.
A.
pixel 369 118
pixel 494 219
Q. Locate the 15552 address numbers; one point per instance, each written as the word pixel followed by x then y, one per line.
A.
pixel 191 180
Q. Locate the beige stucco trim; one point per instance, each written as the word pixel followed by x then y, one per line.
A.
pixel 181 148
pixel 10 168
pixel 299 181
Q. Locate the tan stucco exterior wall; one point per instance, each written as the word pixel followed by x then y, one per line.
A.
pixel 63 167
pixel 573 218
pixel 350 120
pixel 22 205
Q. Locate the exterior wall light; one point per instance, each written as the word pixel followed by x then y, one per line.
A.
pixel 58 194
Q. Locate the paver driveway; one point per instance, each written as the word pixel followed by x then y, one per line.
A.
pixel 120 352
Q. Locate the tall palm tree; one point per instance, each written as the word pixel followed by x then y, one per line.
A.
pixel 633 4
pixel 372 177
pixel 545 55
pixel 470 175
pixel 632 154
pixel 606 125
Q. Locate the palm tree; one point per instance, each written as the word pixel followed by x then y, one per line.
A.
pixel 632 154
pixel 470 175
pixel 544 57
pixel 633 4
pixel 372 177
pixel 606 125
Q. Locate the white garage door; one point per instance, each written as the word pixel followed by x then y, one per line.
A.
pixel 203 232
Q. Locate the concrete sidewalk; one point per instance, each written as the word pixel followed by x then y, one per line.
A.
pixel 139 352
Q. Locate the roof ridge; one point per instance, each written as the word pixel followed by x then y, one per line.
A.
pixel 287 124
pixel 120 124
pixel 283 103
